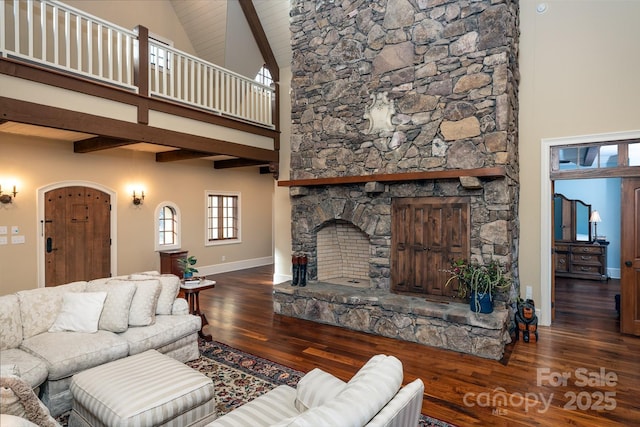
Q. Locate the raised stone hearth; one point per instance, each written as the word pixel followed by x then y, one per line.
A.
pixel 446 325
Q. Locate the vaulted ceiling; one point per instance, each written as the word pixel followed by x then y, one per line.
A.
pixel 213 37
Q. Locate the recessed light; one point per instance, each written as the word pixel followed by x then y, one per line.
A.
pixel 541 8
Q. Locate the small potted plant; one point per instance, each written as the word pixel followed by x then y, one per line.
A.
pixel 187 266
pixel 478 282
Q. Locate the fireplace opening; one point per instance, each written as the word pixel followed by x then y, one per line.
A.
pixel 343 255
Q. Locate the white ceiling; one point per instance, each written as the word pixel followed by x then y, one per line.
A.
pixel 207 32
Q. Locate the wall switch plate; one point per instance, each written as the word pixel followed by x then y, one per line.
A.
pixel 3 240
pixel 16 240
pixel 15 229
pixel 529 292
pixel 3 229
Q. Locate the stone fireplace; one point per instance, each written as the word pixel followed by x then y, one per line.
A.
pixel 343 254
pixel 397 99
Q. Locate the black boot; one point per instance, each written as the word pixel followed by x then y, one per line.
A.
pixel 303 271
pixel 295 261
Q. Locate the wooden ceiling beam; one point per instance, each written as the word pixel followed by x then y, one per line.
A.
pixel 99 143
pixel 176 155
pixel 261 38
pixel 58 118
pixel 236 163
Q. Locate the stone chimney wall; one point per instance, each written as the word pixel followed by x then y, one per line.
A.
pixel 394 86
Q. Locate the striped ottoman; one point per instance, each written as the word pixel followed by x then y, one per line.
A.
pixel 147 389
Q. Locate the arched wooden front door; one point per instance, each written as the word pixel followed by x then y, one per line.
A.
pixel 77 233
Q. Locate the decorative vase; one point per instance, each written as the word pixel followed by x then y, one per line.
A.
pixel 188 275
pixel 481 302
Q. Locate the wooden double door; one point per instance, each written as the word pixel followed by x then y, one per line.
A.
pixel 427 234
pixel 77 233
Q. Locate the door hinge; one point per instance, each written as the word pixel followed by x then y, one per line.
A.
pixel 110 242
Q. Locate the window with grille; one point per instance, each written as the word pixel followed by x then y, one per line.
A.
pixel 223 217
pixel 604 159
pixel 157 55
pixel 264 76
pixel 167 226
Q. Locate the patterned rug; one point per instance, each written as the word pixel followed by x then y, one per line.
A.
pixel 239 377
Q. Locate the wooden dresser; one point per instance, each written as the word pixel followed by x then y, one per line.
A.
pixel 581 260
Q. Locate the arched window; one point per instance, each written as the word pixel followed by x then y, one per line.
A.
pixel 264 76
pixel 167 226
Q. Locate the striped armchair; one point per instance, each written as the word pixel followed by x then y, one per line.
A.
pixel 373 397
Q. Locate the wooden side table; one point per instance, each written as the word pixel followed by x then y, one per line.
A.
pixel 192 295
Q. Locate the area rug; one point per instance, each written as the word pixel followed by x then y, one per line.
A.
pixel 239 377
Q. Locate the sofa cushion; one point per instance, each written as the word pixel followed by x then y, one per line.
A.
pixel 115 313
pixel 7 420
pixel 80 312
pixel 404 409
pixel 269 409
pixel 165 330
pixel 67 353
pixel 362 398
pixel 7 369
pixel 144 303
pixel 10 323
pixel 315 388
pixel 33 370
pixel 40 307
pixel 169 287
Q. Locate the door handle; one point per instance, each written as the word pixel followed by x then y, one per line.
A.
pixel 50 247
pixel 628 263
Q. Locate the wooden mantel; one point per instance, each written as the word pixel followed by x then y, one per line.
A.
pixel 494 172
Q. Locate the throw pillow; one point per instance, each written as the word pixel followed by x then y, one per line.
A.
pixel 40 307
pixel 80 312
pixel 18 399
pixel 316 388
pixel 115 313
pixel 144 303
pixel 170 285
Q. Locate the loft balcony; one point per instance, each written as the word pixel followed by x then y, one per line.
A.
pixel 105 82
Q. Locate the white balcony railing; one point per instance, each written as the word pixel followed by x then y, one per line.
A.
pixel 55 35
pixel 178 76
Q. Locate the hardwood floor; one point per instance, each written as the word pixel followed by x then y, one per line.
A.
pixel 523 389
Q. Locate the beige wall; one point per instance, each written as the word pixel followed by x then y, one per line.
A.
pixel 579 65
pixel 157 15
pixel 282 204
pixel 37 162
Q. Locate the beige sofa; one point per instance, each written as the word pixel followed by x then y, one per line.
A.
pixel 49 334
pixel 372 397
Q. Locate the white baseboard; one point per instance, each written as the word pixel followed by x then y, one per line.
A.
pixel 613 273
pixel 280 278
pixel 234 266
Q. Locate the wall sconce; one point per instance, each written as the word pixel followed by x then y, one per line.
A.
pixel 595 219
pixel 138 200
pixel 7 198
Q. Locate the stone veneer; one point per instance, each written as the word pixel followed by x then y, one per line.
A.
pixel 450 326
pixel 447 73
